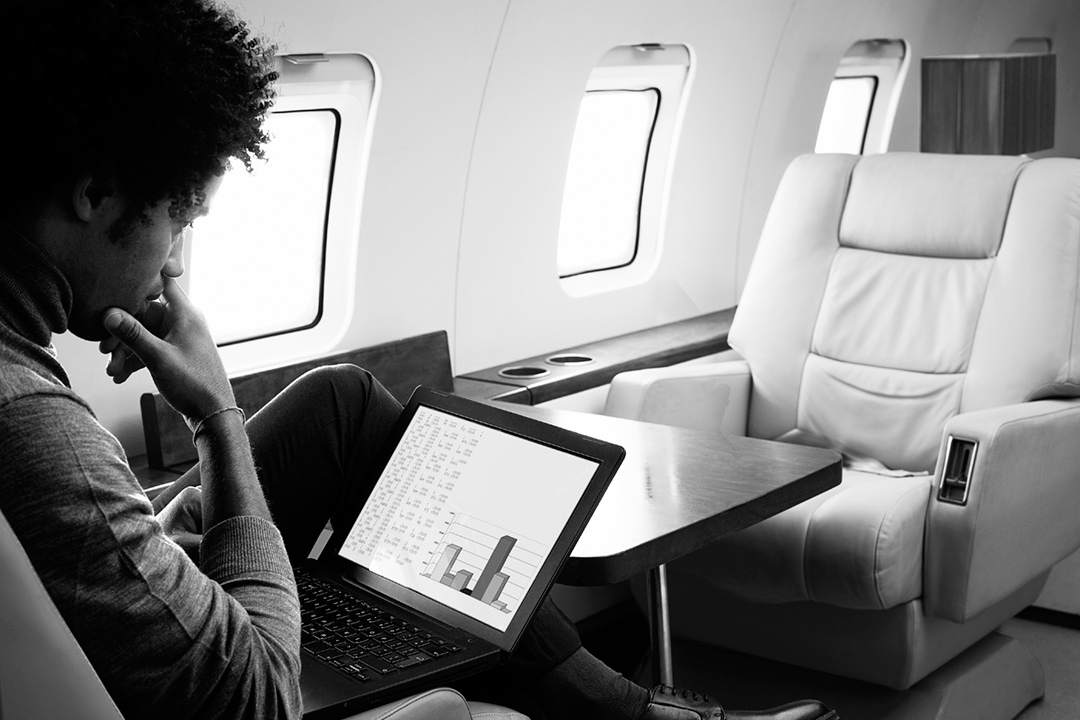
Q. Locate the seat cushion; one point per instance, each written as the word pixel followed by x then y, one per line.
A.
pixel 858 546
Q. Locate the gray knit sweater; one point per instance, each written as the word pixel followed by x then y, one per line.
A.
pixel 169 639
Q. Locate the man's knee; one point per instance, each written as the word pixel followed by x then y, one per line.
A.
pixel 344 377
pixel 346 387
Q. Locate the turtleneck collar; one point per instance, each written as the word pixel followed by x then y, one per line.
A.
pixel 35 298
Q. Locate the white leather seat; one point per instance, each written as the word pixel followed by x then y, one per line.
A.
pixel 896 301
pixel 44 674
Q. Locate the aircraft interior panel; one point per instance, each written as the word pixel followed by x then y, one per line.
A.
pixel 515 193
pixel 472 127
pixel 446 198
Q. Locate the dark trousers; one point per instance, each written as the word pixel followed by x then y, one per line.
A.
pixel 314 445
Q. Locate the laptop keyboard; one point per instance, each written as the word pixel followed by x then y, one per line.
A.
pixel 359 638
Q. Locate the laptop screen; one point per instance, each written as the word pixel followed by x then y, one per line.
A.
pixel 465 514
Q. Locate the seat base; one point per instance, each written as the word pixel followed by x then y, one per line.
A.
pixel 894 648
pixel 995 679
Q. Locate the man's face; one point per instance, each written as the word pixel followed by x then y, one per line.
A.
pixel 127 272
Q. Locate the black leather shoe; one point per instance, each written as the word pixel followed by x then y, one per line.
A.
pixel 668 703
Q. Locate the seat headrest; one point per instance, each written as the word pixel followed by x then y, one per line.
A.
pixel 929 205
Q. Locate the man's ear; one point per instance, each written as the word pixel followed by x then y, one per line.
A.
pixel 88 196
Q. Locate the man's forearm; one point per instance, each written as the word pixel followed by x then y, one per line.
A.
pixel 230 484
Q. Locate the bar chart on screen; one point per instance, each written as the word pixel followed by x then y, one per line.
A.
pixel 485 562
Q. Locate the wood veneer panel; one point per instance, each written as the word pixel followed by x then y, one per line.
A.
pixel 1001 104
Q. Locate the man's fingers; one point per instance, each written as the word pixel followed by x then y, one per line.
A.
pixel 123 327
pixel 107 345
pixel 153 318
pixel 173 293
pixel 131 333
pixel 175 345
pixel 116 323
pixel 117 361
pixel 122 364
pixel 137 344
pixel 191 499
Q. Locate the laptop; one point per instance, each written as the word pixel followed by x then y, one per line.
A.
pixel 473 511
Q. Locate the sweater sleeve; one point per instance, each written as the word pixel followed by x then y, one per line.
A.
pixel 168 639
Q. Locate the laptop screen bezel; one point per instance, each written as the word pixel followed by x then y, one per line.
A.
pixel 608 457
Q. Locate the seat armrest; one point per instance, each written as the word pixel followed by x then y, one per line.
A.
pixel 1019 518
pixel 437 704
pixel 712 397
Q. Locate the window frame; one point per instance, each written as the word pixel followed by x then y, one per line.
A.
pixel 887 60
pixel 348 85
pixel 667 69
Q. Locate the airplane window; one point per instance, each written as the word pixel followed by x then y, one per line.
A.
pixel 847 111
pixel 273 266
pixel 257 258
pixel 611 227
pixel 599 225
pixel 863 97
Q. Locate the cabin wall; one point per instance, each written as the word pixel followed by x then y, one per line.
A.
pixel 476 106
pixel 511 303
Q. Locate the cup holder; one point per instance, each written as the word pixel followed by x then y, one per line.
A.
pixel 570 360
pixel 524 372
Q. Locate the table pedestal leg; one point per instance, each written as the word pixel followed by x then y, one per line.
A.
pixel 659 626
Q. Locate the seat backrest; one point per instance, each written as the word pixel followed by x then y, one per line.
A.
pixel 43 671
pixel 891 292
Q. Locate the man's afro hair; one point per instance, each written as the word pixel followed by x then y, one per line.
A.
pixel 150 95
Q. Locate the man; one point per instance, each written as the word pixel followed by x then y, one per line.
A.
pixel 127 114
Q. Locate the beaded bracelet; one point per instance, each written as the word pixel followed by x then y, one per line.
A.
pixel 202 423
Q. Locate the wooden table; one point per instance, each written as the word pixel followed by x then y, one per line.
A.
pixel 678 491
